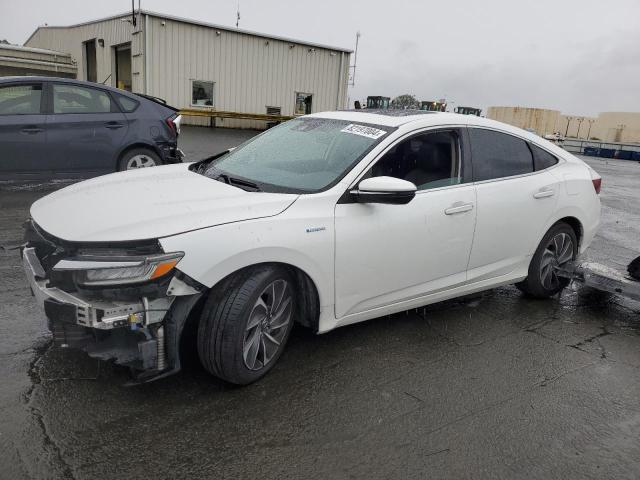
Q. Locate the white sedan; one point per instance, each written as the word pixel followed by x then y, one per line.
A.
pixel 326 220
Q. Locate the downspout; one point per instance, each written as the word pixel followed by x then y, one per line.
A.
pixel 339 80
pixel 147 25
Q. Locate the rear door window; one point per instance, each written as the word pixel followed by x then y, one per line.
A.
pixel 76 99
pixel 20 99
pixel 498 155
pixel 541 158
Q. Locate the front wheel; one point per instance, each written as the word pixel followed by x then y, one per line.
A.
pixel 245 324
pixel 558 247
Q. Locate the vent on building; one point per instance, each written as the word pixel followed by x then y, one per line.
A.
pixel 274 110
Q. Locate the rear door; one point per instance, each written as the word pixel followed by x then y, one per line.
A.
pixel 514 203
pixel 85 129
pixel 22 128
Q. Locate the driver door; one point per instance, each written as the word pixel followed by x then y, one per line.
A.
pixel 388 255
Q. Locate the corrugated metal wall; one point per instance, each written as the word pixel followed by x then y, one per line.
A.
pixel 249 72
pixel 113 31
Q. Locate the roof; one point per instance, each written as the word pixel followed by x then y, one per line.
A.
pixel 202 24
pixel 417 119
pixel 20 48
pixel 390 118
pixel 393 118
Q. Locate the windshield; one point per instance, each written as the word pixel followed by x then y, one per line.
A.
pixel 301 155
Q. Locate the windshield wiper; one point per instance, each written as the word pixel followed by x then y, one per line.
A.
pixel 216 174
pixel 237 182
pixel 242 183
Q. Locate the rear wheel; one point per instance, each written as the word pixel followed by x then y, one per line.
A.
pixel 245 324
pixel 558 247
pixel 139 158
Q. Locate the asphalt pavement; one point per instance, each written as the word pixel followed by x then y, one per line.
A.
pixel 494 386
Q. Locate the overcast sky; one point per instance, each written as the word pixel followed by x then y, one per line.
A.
pixel 578 56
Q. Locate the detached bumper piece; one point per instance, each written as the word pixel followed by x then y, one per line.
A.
pixel 604 278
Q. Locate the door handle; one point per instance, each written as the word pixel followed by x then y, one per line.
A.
pixel 458 207
pixel 114 125
pixel 544 193
pixel 31 130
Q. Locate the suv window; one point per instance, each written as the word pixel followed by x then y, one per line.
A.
pixel 498 155
pixel 75 99
pixel 541 158
pixel 20 99
pixel 429 160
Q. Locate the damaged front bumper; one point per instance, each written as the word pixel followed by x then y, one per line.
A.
pixel 141 333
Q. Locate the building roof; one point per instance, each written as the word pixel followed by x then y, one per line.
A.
pixel 20 48
pixel 201 24
pixel 36 59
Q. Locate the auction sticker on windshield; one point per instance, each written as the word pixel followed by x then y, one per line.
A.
pixel 363 131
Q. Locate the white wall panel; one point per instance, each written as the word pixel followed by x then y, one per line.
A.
pixel 250 71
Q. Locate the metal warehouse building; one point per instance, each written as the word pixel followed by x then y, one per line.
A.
pixel 196 65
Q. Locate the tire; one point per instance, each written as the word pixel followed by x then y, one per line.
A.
pixel 143 157
pixel 245 324
pixel 553 251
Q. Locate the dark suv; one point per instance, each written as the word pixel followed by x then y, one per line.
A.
pixel 56 127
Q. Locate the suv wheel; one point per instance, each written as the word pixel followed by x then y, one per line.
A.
pixel 245 324
pixel 139 158
pixel 558 247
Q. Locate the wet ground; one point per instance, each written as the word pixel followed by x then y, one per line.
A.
pixel 498 386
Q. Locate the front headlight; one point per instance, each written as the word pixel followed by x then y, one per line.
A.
pixel 92 271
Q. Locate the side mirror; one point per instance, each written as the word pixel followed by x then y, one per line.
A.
pixel 388 190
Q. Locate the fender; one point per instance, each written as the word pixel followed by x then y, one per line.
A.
pixel 229 248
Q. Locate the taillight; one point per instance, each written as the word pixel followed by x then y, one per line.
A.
pixel 595 179
pixel 171 125
pixel 597 184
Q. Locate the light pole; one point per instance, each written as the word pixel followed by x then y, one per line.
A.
pixel 580 120
pixel 355 61
pixel 590 121
pixel 566 132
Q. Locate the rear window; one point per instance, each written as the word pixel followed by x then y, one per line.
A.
pixel 498 155
pixel 20 99
pixel 127 104
pixel 541 158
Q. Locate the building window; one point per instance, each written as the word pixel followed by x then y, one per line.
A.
pixel 201 93
pixel 303 103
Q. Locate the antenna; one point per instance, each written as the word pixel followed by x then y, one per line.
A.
pixel 238 15
pixel 355 61
pixel 133 12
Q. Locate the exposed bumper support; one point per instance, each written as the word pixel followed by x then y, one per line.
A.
pixel 142 334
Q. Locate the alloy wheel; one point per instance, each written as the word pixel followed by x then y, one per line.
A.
pixel 267 325
pixel 140 161
pixel 557 253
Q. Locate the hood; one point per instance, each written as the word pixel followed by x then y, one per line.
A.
pixel 149 203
